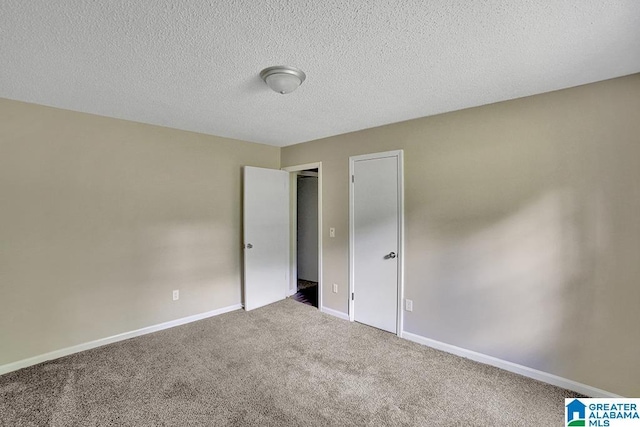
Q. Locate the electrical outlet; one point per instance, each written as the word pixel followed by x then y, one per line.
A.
pixel 332 232
pixel 408 305
pixel 176 295
pixel 335 288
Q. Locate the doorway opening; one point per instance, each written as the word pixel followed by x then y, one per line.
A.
pixel 306 237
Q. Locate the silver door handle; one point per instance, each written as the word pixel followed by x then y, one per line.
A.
pixel 249 246
pixel 390 256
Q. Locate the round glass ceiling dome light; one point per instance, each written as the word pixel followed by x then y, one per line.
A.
pixel 283 79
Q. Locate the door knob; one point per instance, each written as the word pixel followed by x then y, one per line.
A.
pixel 249 245
pixel 391 255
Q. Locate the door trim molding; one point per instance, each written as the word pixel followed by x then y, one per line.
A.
pixel 294 225
pixel 399 155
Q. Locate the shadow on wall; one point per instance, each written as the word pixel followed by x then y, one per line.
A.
pixel 185 254
pixel 144 264
pixel 507 286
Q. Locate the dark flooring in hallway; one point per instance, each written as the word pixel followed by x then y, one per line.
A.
pixel 307 293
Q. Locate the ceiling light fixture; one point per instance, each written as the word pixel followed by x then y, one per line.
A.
pixel 283 79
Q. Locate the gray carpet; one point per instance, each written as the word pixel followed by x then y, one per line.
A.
pixel 286 364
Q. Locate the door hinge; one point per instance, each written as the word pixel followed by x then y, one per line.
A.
pixel 353 178
pixel 353 296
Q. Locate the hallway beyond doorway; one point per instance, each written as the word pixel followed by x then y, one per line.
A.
pixel 307 293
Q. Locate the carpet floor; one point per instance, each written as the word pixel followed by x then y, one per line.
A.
pixel 286 364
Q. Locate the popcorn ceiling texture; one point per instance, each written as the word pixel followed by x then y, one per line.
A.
pixel 194 65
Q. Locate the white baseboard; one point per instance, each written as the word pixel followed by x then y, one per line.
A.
pixel 335 313
pixel 14 366
pixel 510 366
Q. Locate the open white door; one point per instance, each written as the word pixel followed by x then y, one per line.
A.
pixel 266 236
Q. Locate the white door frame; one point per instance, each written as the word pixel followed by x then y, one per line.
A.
pixel 293 276
pixel 398 154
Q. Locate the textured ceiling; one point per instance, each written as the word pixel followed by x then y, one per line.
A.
pixel 194 65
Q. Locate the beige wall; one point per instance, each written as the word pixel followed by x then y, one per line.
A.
pixel 100 219
pixel 522 228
